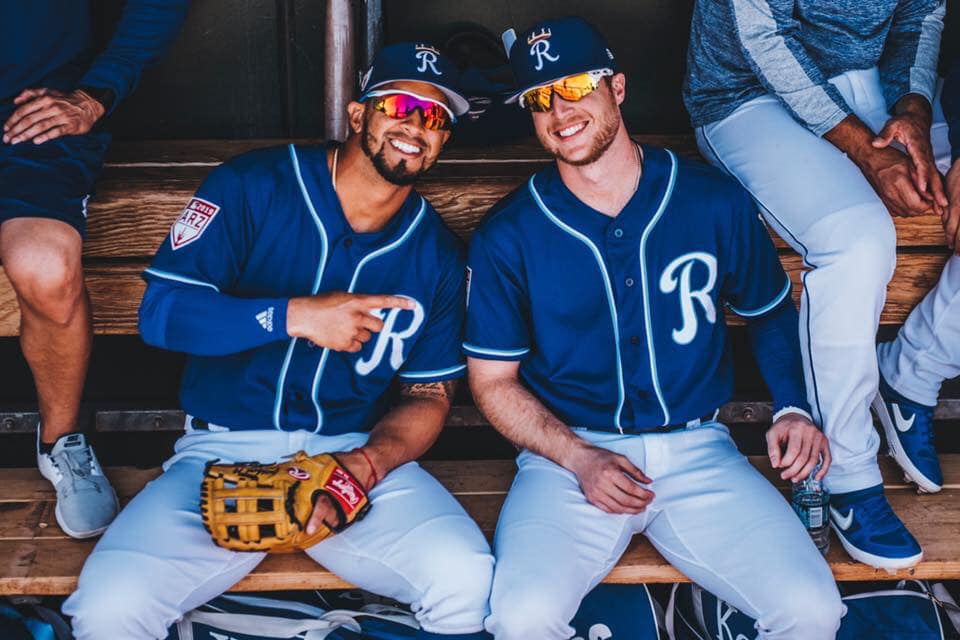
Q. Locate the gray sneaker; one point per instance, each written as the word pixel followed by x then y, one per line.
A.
pixel 86 503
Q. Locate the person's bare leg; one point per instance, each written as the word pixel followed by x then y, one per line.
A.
pixel 42 259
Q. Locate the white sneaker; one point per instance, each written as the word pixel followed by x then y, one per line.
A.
pixel 86 503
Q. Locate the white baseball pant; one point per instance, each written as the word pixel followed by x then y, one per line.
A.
pixel 822 205
pixel 714 517
pixel 156 561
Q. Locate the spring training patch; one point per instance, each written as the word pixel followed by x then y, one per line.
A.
pixel 191 224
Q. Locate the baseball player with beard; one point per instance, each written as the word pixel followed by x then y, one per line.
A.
pixel 596 341
pixel 825 111
pixel 302 281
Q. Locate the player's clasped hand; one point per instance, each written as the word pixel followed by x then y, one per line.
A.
pixel 46 114
pixel 892 173
pixel 911 128
pixel 338 320
pixel 796 445
pixel 610 481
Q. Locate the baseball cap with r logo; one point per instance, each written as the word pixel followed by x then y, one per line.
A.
pixel 554 49
pixel 415 62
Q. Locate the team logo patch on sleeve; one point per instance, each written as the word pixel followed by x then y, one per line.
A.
pixel 191 224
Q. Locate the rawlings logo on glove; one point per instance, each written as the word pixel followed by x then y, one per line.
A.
pixel 265 507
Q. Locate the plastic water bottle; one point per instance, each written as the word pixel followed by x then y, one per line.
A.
pixel 811 502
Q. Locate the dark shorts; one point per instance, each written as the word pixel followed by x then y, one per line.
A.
pixel 51 180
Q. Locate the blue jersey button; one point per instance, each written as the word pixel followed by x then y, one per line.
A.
pixel 634 339
pixel 618 233
pixel 628 282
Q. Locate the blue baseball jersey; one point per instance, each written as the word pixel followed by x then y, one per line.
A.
pixel 267 227
pixel 618 322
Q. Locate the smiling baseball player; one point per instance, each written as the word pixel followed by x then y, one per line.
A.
pixel 596 342
pixel 302 281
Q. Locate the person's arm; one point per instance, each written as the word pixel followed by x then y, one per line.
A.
pixel 227 324
pixel 200 320
pixel 146 30
pixel 774 340
pixel 891 173
pixel 908 64
pixel 756 288
pixel 769 37
pixel 608 480
pixel 497 340
pixel 402 435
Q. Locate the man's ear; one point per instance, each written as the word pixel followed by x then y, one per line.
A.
pixel 618 84
pixel 355 114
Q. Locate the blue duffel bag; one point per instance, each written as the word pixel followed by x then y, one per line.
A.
pixel 239 617
pixel 914 610
pixel 619 612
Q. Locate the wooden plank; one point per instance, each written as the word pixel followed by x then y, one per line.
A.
pixel 460 417
pixel 463 478
pixel 50 566
pixel 116 289
pixel 147 183
pixel 213 152
pixel 134 207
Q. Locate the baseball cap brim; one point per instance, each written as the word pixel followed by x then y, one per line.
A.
pixel 517 95
pixel 457 103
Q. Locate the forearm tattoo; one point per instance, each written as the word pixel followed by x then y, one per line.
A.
pixel 438 390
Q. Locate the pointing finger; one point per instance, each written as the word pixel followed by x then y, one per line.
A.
pixel 387 302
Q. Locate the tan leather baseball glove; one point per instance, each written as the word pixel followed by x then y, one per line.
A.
pixel 265 507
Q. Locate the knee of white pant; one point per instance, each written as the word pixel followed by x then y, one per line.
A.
pixel 536 611
pixel 115 608
pixel 811 611
pixel 861 242
pixel 457 576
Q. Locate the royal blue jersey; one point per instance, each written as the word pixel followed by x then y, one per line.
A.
pixel 618 323
pixel 266 227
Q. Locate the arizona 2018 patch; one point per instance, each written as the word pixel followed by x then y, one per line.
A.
pixel 191 224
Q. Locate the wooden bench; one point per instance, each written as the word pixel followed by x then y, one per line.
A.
pixel 144 187
pixel 36 558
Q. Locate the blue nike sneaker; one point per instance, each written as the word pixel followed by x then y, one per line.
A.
pixel 871 532
pixel 909 430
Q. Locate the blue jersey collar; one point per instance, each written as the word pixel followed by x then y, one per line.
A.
pixel 319 186
pixel 634 217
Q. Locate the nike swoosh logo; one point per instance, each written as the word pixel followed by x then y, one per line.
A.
pixel 903 425
pixel 843 522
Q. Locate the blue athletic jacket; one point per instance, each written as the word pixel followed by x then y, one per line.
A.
pixel 46 43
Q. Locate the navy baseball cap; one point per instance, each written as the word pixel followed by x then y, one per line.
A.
pixel 416 63
pixel 554 49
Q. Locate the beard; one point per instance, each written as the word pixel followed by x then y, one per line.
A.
pixel 399 174
pixel 607 126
